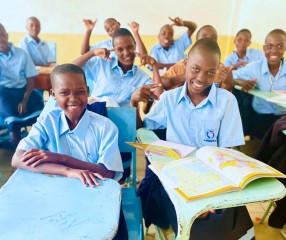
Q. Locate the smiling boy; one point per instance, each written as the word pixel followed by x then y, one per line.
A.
pixel 71 141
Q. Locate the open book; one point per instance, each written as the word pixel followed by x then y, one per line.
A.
pixel 164 148
pixel 213 171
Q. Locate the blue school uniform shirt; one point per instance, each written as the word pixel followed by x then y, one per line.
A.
pixel 260 71
pixel 214 122
pixel 94 140
pixel 109 81
pixel 251 55
pixel 39 52
pixel 15 68
pixel 175 53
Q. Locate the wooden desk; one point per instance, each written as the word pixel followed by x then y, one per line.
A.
pixel 36 206
pixel 43 80
pixel 261 190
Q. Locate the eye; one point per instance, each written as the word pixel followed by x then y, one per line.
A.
pixel 81 92
pixel 211 74
pixel 63 93
pixel 195 69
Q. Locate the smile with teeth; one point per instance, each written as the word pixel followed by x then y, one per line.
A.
pixel 198 85
pixel 166 41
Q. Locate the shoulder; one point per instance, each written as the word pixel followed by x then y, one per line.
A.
pixel 101 122
pixel 224 97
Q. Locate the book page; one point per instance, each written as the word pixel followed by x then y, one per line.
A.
pixel 182 150
pixel 236 166
pixel 191 178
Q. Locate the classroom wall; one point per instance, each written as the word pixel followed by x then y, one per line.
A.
pixel 62 20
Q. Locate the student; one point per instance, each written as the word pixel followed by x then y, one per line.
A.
pixel 16 86
pixel 175 76
pixel 71 140
pixel 32 44
pixel 243 54
pixel 189 113
pixel 168 51
pixel 272 151
pixel 268 74
pixel 110 26
pixel 117 77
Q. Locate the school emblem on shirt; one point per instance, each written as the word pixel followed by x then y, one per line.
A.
pixel 210 135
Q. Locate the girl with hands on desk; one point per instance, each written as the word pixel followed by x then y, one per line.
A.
pixel 71 141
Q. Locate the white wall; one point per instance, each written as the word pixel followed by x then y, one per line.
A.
pixel 228 16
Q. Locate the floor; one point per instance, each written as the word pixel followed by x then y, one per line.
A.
pixel 262 231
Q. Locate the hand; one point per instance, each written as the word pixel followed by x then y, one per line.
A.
pixel 248 85
pixel 134 26
pixel 22 108
pixel 204 215
pixel 103 53
pixel 89 24
pixel 88 178
pixel 145 59
pixel 144 94
pixel 223 73
pixel 176 21
pixel 35 157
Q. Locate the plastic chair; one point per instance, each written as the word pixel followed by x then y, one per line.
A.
pixel 125 120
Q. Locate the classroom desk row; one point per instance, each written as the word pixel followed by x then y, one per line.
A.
pixel 43 80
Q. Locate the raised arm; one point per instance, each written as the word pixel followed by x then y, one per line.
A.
pixel 100 52
pixel 190 25
pixel 135 29
pixel 89 24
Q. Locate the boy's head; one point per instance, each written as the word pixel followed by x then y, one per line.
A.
pixel 203 62
pixel 275 46
pixel 124 46
pixel 242 40
pixel 4 44
pixel 166 36
pixel 69 89
pixel 33 27
pixel 110 26
pixel 207 31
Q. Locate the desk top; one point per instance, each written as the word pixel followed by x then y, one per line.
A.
pixel 261 94
pixel 260 190
pixel 36 206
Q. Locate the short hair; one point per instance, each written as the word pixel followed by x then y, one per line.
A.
pixel 33 19
pixel 277 31
pixel 108 19
pixel 207 44
pixel 66 68
pixel 167 25
pixel 122 32
pixel 203 27
pixel 244 30
pixel 2 26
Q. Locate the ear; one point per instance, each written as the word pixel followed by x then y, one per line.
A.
pixel 249 44
pixel 87 90
pixel 52 93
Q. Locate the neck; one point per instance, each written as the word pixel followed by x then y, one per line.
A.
pixel 6 50
pixel 241 54
pixel 274 68
pixel 125 68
